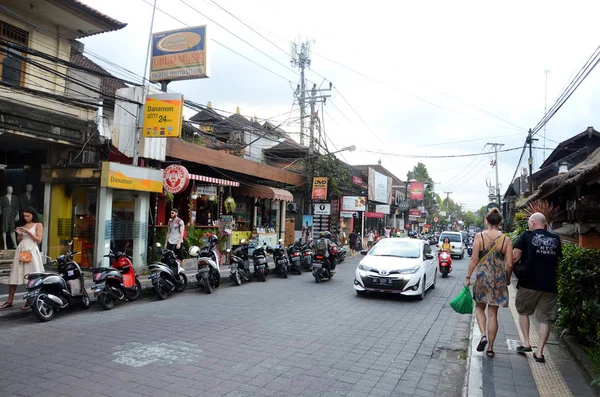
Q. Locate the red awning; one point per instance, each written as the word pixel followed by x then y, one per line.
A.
pixel 208 179
pixel 266 192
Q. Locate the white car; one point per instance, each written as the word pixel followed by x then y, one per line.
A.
pixel 398 266
pixel 456 239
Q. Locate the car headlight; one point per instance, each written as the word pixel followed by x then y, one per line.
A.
pixel 412 270
pixel 366 268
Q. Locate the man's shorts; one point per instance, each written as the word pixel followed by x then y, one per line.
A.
pixel 544 304
pixel 178 251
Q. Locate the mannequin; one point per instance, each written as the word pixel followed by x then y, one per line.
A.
pixel 27 199
pixel 9 210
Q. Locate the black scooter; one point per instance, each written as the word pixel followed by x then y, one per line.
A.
pixel 307 256
pixel 295 258
pixel 48 292
pixel 167 275
pixel 259 259
pixel 209 275
pixel 239 264
pixel 280 258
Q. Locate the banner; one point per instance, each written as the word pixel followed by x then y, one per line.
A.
pixel 354 203
pixel 319 190
pixel 163 115
pixel 385 208
pixel 380 187
pixel 414 212
pixel 378 215
pixel 129 177
pixel 417 191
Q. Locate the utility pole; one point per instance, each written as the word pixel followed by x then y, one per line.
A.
pixel 448 200
pixel 546 71
pixel 529 142
pixel 300 58
pixel 496 146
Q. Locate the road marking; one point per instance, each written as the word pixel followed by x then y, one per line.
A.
pixel 140 354
pixel 548 379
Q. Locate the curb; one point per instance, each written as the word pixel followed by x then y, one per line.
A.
pixel 580 357
pixel 473 382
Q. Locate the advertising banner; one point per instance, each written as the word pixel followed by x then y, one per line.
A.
pixel 357 180
pixel 163 115
pixel 379 215
pixel 319 190
pixel 130 177
pixel 176 178
pixel 179 55
pixel 417 191
pixel 354 203
pixel 380 187
pixel 322 209
pixel 385 208
pixel 414 212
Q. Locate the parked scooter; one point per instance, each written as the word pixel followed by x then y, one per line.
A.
pixel 49 292
pixel 116 283
pixel 280 258
pixel 295 258
pixel 341 252
pixel 208 275
pixel 445 262
pixel 259 259
pixel 240 264
pixel 167 275
pixel 307 256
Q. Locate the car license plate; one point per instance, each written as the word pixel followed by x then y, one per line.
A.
pixel 383 281
pixel 317 265
pixel 281 261
pixel 260 266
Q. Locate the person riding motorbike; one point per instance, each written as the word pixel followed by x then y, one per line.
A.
pixel 322 245
pixel 446 246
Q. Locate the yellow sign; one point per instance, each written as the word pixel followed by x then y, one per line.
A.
pixel 319 191
pixel 163 114
pixel 129 177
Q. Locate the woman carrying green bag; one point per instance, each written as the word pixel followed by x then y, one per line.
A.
pixel 492 264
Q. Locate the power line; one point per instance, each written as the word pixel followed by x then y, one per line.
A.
pixel 441 156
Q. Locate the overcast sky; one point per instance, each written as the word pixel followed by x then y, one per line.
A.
pixel 438 77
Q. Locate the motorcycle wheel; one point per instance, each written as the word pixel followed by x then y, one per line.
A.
pixel 106 301
pixel 207 285
pixel 248 276
pixel 161 290
pixel 181 287
pixel 237 279
pixel 85 300
pixel 138 291
pixel 285 271
pixel 262 277
pixel 317 277
pixel 42 310
pixel 299 270
pixel 444 272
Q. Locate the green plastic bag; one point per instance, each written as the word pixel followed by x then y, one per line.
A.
pixel 463 302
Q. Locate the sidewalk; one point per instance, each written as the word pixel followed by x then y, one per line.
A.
pixel 511 374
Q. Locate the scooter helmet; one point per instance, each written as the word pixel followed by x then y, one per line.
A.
pixel 193 251
pixel 327 234
pixel 321 234
pixel 214 239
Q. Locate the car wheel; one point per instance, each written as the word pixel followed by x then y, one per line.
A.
pixel 423 289
pixel 361 293
pixel 461 256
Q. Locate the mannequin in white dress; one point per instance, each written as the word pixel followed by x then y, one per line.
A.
pixel 9 215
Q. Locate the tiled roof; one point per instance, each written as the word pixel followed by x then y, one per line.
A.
pixel 108 86
pixel 86 8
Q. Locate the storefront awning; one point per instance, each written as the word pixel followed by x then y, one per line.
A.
pixel 208 179
pixel 266 192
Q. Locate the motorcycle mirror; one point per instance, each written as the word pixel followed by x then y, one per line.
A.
pixel 243 241
pixel 107 245
pixel 70 243
pixel 228 250
pixel 158 245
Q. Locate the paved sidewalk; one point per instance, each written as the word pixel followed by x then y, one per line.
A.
pixel 511 374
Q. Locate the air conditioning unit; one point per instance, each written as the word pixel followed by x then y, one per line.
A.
pixel 292 207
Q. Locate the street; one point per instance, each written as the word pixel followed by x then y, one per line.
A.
pixel 284 337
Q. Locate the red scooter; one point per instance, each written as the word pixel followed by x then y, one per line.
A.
pixel 445 262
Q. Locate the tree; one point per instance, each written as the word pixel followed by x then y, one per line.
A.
pixel 431 200
pixel 469 219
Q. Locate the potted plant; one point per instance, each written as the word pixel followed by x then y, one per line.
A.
pixel 229 205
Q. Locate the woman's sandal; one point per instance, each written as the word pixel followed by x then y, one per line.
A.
pixel 6 305
pixel 490 354
pixel 482 343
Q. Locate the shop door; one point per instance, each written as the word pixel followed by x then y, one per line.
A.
pixel 289 231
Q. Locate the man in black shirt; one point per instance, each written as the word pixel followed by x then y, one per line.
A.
pixel 537 289
pixel 353 237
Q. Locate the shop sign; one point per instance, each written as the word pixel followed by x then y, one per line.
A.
pixel 163 115
pixel 319 191
pixel 380 187
pixel 354 203
pixel 347 214
pixel 130 177
pixel 422 220
pixel 417 191
pixel 379 215
pixel 357 180
pixel 179 55
pixel 176 178
pixel 414 212
pixel 206 190
pixel 322 209
pixel 240 208
pixel 385 208
pixel 427 225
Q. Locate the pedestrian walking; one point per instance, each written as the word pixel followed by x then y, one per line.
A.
pixel 492 264
pixel 538 250
pixel 353 238
pixel 175 232
pixel 370 239
pixel 28 258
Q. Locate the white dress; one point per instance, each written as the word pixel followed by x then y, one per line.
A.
pixel 18 269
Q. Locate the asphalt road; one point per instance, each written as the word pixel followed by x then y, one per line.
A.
pixel 283 337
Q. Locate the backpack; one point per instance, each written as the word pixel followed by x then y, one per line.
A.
pixel 321 245
pixel 522 269
pixel 184 229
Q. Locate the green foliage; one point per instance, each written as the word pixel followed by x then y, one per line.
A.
pixel 520 225
pixel 579 293
pixel 195 235
pixel 420 174
pixel 594 355
pixel 337 172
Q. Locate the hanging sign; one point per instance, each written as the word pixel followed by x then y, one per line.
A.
pixel 354 203
pixel 379 215
pixel 385 208
pixel 319 191
pixel 322 209
pixel 163 115
pixel 347 214
pixel 417 191
pixel 176 178
pixel 206 190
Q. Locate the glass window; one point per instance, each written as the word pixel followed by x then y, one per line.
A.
pixel 398 249
pixel 454 238
pixel 12 65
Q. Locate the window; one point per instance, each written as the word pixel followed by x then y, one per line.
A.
pixel 454 238
pixel 427 249
pixel 396 249
pixel 12 66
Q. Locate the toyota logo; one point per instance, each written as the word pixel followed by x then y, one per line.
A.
pixel 383 272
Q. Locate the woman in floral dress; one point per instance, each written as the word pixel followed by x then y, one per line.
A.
pixel 492 264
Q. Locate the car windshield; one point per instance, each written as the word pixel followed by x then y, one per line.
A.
pixel 399 249
pixel 454 238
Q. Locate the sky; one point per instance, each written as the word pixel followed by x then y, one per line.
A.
pixel 410 79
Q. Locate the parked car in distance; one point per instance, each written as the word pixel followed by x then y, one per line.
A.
pixel 397 266
pixel 456 239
